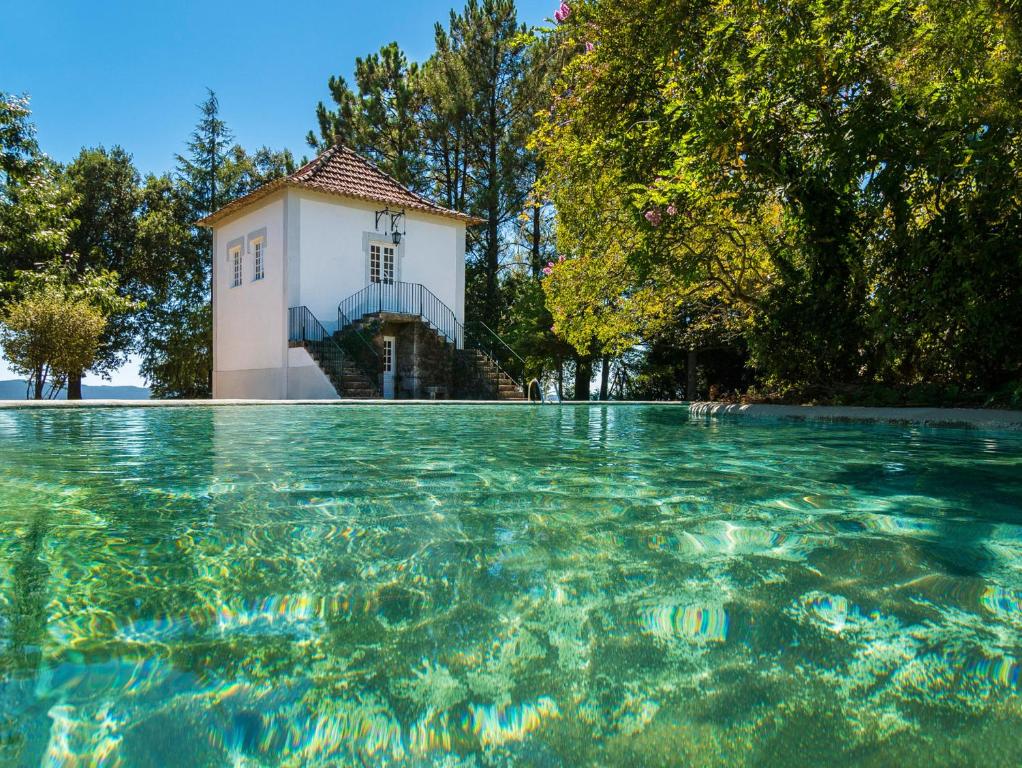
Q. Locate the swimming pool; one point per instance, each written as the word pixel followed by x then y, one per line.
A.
pixel 486 585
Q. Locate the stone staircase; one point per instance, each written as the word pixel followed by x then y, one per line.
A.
pixel 482 379
pixel 477 376
pixel 465 361
pixel 348 380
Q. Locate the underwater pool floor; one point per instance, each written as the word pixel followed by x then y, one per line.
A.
pixel 477 585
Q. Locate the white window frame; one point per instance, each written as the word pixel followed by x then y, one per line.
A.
pixel 375 261
pixel 259 258
pixel 381 268
pixel 389 270
pixel 237 265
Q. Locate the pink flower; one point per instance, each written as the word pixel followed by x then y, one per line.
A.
pixel 589 47
pixel 548 270
pixel 653 217
pixel 561 14
pixel 560 258
pixel 671 210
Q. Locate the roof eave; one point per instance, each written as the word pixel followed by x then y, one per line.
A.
pixel 426 208
pixel 236 206
pixel 243 202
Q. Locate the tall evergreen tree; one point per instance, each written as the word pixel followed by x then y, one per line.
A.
pixel 444 119
pixel 178 357
pixel 379 120
pixel 485 36
pixel 176 327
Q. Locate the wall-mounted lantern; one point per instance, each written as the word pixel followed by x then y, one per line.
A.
pixel 394 217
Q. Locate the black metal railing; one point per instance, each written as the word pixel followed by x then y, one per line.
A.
pixel 417 299
pixel 359 349
pixel 303 329
pixel 478 335
pixel 402 299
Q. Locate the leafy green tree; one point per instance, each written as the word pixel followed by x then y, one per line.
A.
pixel 812 179
pixel 174 326
pixel 528 328
pixel 54 326
pixel 18 147
pixel 103 236
pixel 33 198
pixel 261 167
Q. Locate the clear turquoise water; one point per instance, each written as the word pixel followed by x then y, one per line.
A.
pixel 475 585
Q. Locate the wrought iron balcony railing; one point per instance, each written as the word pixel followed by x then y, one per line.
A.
pixel 416 299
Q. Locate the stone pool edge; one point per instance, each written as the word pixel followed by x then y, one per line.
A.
pixel 973 418
pixel 218 403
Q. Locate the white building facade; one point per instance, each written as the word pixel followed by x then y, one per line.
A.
pixel 337 233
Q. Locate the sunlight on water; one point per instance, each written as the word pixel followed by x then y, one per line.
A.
pixel 477 585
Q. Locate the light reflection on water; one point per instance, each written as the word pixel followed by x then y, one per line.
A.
pixel 474 585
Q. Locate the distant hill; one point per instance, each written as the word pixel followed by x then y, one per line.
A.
pixel 14 389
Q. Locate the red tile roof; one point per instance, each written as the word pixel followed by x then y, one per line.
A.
pixel 341 171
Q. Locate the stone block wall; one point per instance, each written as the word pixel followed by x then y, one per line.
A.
pixel 425 361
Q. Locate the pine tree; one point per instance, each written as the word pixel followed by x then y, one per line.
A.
pixel 484 37
pixel 446 101
pixel 204 171
pixel 379 121
pixel 177 357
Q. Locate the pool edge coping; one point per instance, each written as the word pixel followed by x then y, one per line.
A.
pixel 972 418
pixel 100 403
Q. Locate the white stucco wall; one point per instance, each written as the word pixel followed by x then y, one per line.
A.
pixel 251 384
pixel 334 261
pixel 305 379
pixel 250 320
pixel 316 256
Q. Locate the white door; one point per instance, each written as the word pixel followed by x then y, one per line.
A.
pixel 382 278
pixel 389 364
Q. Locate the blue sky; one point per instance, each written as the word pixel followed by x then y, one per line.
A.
pixel 131 73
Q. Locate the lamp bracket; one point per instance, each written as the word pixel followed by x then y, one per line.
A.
pixel 393 216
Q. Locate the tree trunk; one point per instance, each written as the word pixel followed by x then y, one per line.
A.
pixel 74 386
pixel 583 377
pixel 39 384
pixel 492 201
pixel 605 377
pixel 537 254
pixel 492 242
pixel 690 370
pixel 560 379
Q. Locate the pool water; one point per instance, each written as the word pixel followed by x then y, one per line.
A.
pixel 483 585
